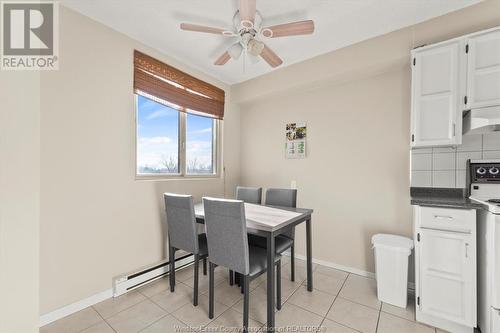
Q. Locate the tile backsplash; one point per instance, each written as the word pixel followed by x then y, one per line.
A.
pixel 445 167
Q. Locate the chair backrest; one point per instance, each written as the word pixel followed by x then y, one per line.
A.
pixel 285 197
pixel 249 194
pixel 181 222
pixel 227 234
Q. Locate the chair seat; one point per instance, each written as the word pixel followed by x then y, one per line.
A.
pixel 281 243
pixel 258 260
pixel 202 244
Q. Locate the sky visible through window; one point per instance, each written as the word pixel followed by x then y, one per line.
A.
pixel 158 140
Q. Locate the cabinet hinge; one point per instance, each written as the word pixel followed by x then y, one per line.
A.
pixel 414 61
pixel 418 300
pixel 465 100
pixel 467 48
pixel 418 237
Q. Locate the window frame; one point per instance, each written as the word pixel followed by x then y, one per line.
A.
pixel 216 149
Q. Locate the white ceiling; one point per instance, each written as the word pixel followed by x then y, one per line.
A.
pixel 338 23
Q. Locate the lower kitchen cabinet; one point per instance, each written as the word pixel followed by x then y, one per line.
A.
pixel 445 268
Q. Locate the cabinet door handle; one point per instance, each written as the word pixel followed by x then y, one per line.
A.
pixel 454 130
pixel 466 250
pixel 442 217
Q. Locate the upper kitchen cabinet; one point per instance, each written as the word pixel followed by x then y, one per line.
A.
pixel 437 89
pixel 483 70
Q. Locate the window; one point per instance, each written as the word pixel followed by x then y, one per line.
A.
pixel 157 138
pixel 174 143
pixel 200 153
pixel 177 119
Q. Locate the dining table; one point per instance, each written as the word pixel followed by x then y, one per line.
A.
pixel 269 222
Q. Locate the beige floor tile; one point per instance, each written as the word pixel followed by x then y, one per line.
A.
pixel 102 327
pixel 136 317
pixel 257 306
pixel 295 319
pixel 155 287
pixel 232 321
pixel 112 306
pixel 327 283
pixel 220 275
pixel 258 281
pixel 361 290
pixel 167 324
pixel 329 326
pixel 226 294
pixel 287 288
pixel 332 272
pixel 408 313
pixel 171 301
pixel 196 316
pixel 300 270
pixel 316 301
pixel 353 315
pixel 390 324
pixel 74 323
pixel 185 273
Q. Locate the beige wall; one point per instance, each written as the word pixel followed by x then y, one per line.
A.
pixel 97 221
pixel 356 102
pixel 19 200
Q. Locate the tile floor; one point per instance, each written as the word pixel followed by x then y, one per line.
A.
pixel 340 303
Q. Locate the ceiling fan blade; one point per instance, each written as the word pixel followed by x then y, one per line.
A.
pixel 222 59
pixel 247 10
pixel 201 28
pixel 270 57
pixel 289 29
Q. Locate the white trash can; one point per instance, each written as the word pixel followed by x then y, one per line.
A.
pixel 391 267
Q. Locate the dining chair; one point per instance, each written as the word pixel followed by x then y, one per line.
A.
pixel 228 247
pixel 249 194
pixel 282 197
pixel 183 235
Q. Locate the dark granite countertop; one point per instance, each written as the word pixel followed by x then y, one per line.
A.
pixel 442 197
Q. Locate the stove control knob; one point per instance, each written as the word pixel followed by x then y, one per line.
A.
pixel 481 171
pixel 493 171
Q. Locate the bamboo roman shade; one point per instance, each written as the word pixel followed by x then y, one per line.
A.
pixel 161 81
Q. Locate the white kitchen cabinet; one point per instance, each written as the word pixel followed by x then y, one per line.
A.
pixel 483 70
pixel 445 267
pixel 438 82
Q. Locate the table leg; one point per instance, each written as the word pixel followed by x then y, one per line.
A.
pixel 309 255
pixel 271 282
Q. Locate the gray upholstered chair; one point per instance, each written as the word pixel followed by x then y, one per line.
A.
pixel 227 240
pixel 249 194
pixel 282 197
pixel 183 235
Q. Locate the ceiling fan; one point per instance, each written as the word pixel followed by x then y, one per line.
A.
pixel 248 29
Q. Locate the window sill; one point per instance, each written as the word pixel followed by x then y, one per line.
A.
pixel 176 177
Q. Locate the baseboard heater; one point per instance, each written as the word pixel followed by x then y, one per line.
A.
pixel 127 282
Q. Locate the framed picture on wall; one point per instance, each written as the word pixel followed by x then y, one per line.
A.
pixel 296 134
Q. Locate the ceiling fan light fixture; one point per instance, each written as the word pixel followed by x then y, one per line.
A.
pixel 235 51
pixel 255 47
pixel 266 32
pixel 247 24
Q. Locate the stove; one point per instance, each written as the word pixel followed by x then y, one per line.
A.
pixel 484 179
